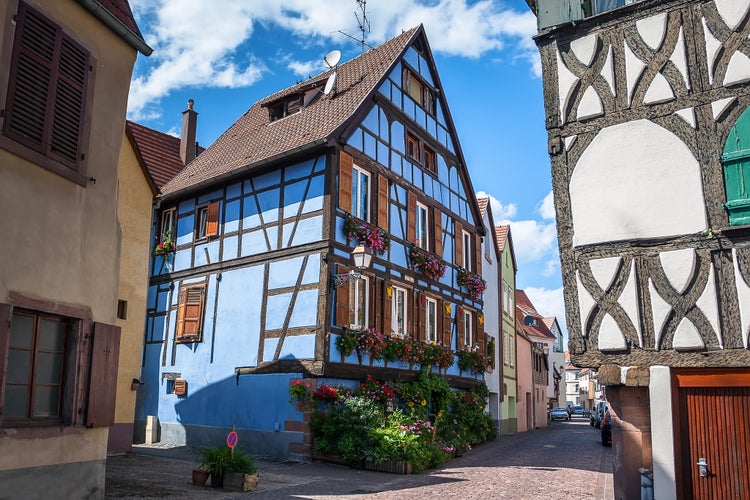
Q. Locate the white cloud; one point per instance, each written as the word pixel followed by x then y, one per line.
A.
pixel 533 240
pixel 199 43
pixel 499 211
pixel 549 303
pixel 547 207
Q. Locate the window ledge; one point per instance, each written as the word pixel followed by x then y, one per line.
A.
pixel 30 432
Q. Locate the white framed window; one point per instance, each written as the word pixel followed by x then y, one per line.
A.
pixel 512 345
pixel 468 329
pixel 399 308
pixel 361 194
pixel 167 225
pixel 361 302
pixel 202 221
pixel 431 320
pixel 506 348
pixel 422 226
pixel 507 299
pixel 467 251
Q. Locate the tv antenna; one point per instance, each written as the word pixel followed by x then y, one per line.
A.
pixel 364 26
pixel 331 60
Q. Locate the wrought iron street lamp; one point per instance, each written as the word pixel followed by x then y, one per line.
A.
pixel 361 259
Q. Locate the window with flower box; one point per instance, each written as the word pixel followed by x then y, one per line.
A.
pixel 167 224
pixel 399 311
pixel 431 320
pixel 422 226
pixel 466 237
pixel 360 194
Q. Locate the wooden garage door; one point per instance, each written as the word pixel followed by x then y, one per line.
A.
pixel 714 425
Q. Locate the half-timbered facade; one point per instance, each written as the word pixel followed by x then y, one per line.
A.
pixel 261 283
pixel 647 114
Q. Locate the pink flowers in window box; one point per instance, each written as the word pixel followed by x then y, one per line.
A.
pixel 427 263
pixel 473 283
pixel 372 236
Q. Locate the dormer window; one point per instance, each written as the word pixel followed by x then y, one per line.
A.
pixel 285 107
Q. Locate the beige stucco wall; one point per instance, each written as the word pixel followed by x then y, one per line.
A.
pixel 61 240
pixel 525 383
pixel 135 200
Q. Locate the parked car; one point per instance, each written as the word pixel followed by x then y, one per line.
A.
pixel 577 411
pixel 559 414
pixel 598 413
pixel 606 429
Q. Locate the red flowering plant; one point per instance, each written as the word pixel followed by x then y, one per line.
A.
pixel 299 390
pixel 472 281
pixel 326 393
pixel 475 362
pixel 373 237
pixel 376 390
pixel 426 263
pixel 438 355
pixel 166 245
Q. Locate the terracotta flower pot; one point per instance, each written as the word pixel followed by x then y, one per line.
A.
pixel 200 476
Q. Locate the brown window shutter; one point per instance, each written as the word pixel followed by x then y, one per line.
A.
pixel 105 353
pixel 411 217
pixel 212 219
pixel 413 317
pixel 387 308
pixel 438 230
pixel 5 314
pixel 478 253
pixel 460 329
pixel 479 335
pixel 376 303
pixel 383 202
pixel 190 312
pixel 342 301
pixel 422 306
pixel 345 182
pixel 446 324
pixel 458 236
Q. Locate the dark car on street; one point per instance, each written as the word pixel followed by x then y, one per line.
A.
pixel 606 428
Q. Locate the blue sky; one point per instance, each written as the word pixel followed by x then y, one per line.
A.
pixel 227 54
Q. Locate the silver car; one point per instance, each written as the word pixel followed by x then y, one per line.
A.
pixel 559 414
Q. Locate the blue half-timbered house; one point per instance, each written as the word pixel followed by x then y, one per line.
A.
pixel 255 282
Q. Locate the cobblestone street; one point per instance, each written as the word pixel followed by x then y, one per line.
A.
pixel 563 461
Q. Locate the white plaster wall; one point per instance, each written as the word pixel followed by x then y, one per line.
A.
pixel 636 180
pixel 662 434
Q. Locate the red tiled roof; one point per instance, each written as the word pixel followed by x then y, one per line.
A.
pixel 159 152
pixel 524 307
pixel 483 203
pixel 121 10
pixel 118 17
pixel 501 233
pixel 254 141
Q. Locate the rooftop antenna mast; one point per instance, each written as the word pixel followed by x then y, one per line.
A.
pixel 364 24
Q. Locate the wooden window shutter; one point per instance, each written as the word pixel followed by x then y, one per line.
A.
pixel 438 229
pixel 411 217
pixel 413 316
pixel 47 94
pixel 105 353
pixel 421 308
pixel 376 303
pixel 190 312
pixel 342 301
pixel 346 164
pixel 383 202
pixel 5 314
pixel 212 219
pixel 387 305
pixel 460 329
pixel 478 253
pixel 458 237
pixel 447 324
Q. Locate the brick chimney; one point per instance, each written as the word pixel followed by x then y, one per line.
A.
pixel 187 138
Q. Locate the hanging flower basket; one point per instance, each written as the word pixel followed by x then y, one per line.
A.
pixel 427 263
pixel 472 281
pixel 375 238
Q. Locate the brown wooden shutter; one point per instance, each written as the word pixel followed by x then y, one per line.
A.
pixel 446 324
pixel 212 219
pixel 5 314
pixel 47 93
pixel 413 316
pixel 478 254
pixel 479 335
pixel 438 230
pixel 460 328
pixel 459 239
pixel 387 308
pixel 422 306
pixel 342 301
pixel 105 354
pixel 411 217
pixel 376 303
pixel 383 202
pixel 345 182
pixel 190 312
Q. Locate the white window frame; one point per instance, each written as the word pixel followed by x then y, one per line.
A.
pixel 468 329
pixel 398 327
pixel 506 348
pixel 512 344
pixel 507 299
pixel 202 222
pixel 167 223
pixel 466 237
pixel 430 333
pixel 422 226
pixel 361 208
pixel 361 293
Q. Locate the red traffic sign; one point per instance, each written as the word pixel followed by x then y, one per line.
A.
pixel 232 439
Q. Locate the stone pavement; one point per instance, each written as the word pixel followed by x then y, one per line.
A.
pixel 563 461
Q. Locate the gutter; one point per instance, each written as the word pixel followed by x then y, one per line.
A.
pixel 113 23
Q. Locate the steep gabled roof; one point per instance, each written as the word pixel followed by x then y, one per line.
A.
pixel 157 152
pixel 483 203
pixel 524 307
pixel 118 17
pixel 254 141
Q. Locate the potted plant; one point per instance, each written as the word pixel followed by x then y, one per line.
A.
pixel 215 460
pixel 241 474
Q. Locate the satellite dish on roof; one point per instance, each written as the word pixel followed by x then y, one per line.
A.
pixel 529 321
pixel 332 58
pixel 330 84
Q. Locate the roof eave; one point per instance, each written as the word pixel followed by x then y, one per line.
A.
pixel 113 23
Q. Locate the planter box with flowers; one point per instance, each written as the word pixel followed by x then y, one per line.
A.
pixel 475 362
pixel 473 283
pixel 166 246
pixel 427 263
pixel 376 239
